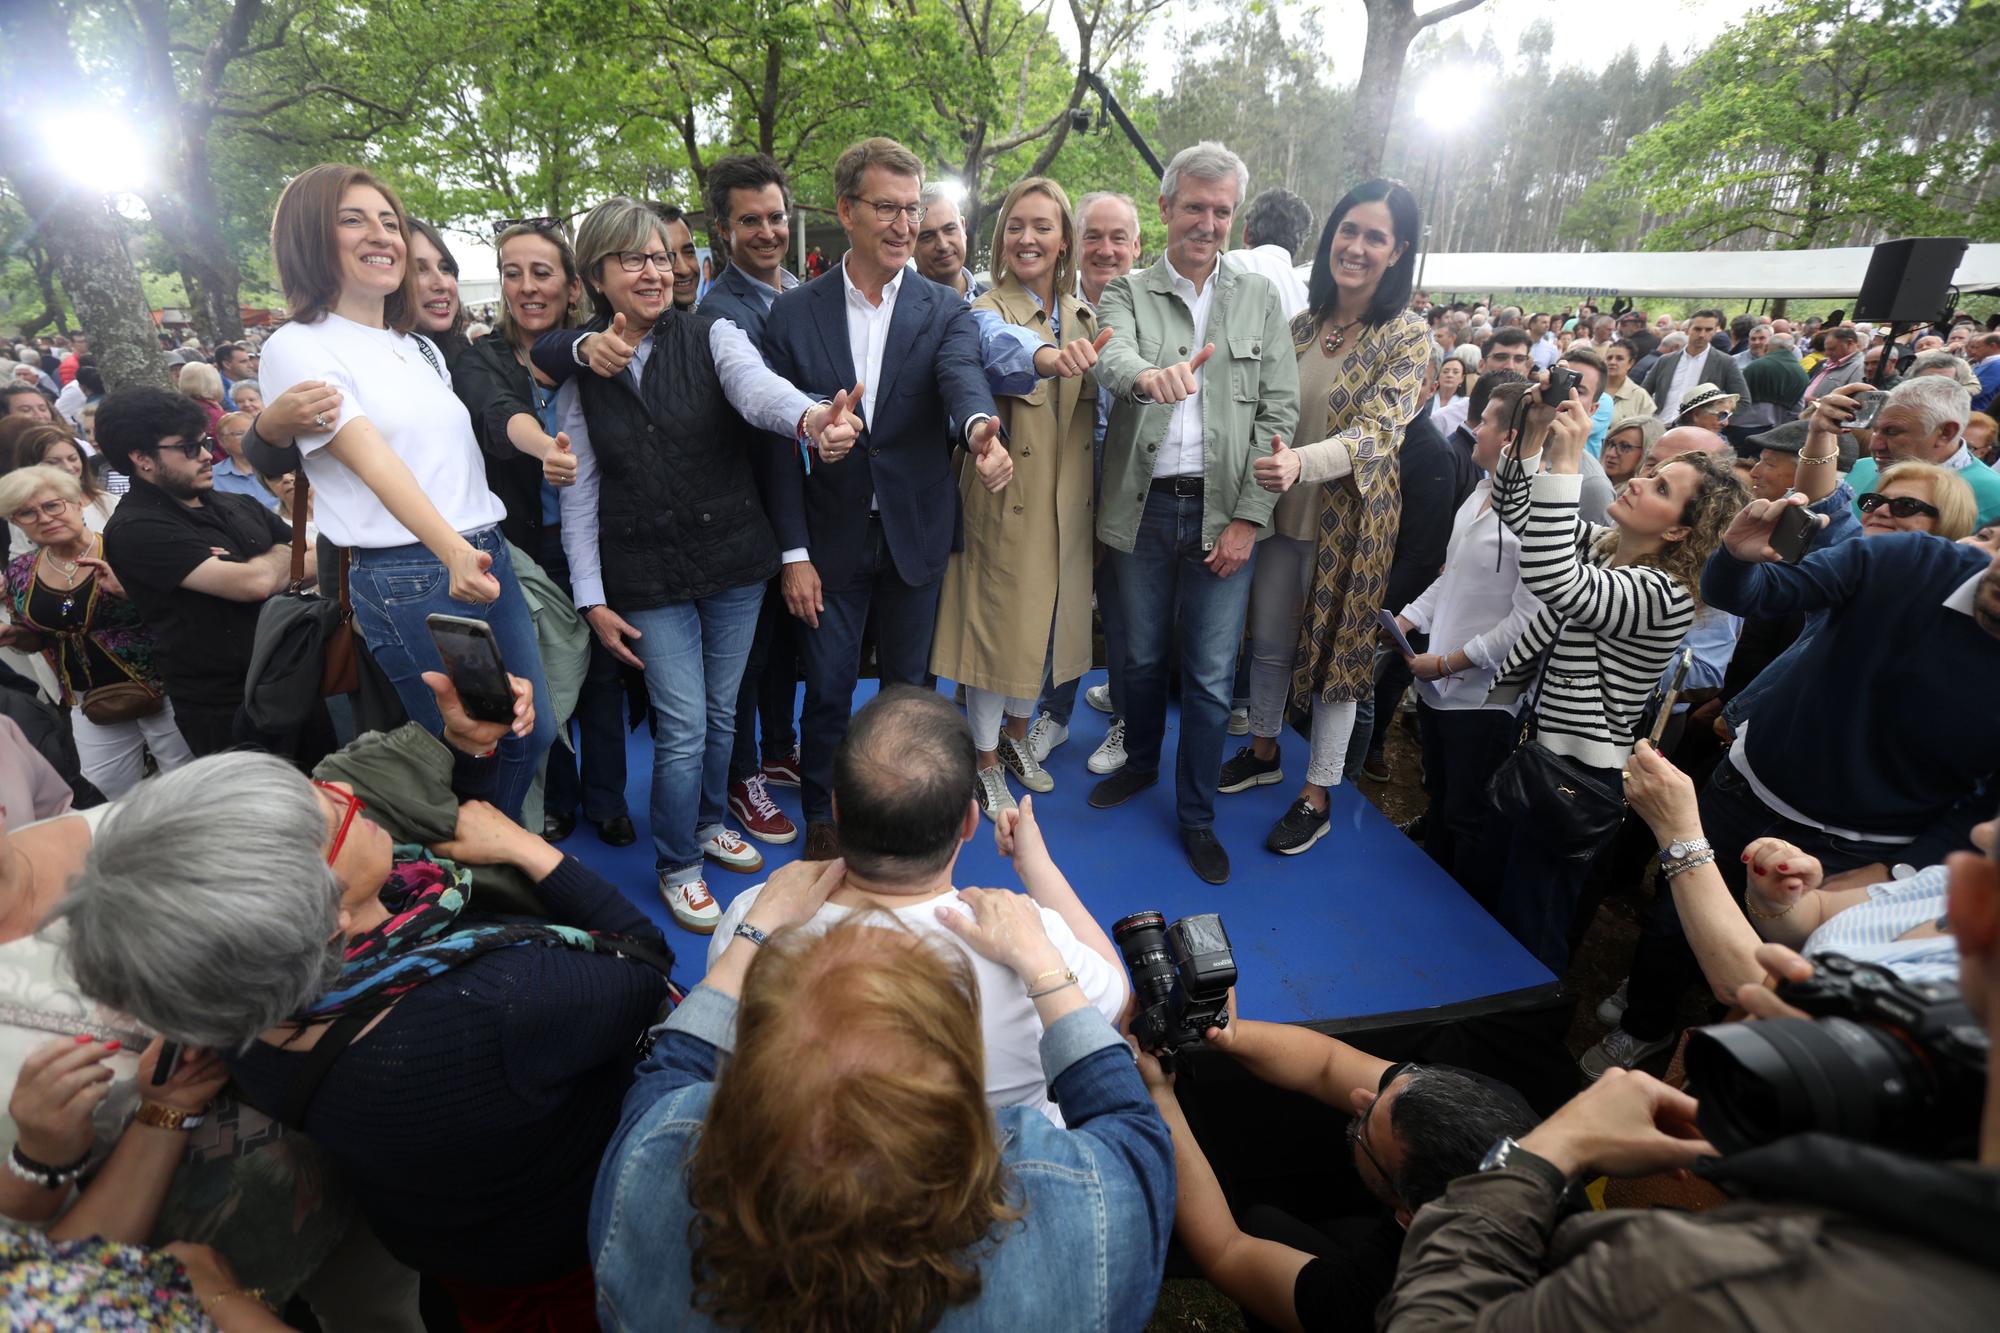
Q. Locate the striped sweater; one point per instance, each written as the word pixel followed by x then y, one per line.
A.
pixel 1619 627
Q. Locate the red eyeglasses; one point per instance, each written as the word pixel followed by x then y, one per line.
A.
pixel 351 805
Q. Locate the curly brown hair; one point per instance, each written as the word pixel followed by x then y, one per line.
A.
pixel 849 1172
pixel 1707 515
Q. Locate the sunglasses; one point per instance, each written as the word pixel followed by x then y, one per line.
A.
pixel 190 450
pixel 351 805
pixel 1901 506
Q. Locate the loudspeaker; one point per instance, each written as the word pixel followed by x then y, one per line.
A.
pixel 1908 281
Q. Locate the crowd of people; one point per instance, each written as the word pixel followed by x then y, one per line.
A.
pixel 309 1009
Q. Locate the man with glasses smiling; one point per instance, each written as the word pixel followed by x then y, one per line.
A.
pixel 198 565
pixel 865 540
pixel 1416 1129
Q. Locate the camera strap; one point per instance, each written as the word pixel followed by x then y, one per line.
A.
pixel 1953 1207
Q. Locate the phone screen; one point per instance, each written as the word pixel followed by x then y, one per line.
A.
pixel 472 660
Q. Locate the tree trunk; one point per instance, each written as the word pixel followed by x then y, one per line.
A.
pixel 1392 26
pixel 79 229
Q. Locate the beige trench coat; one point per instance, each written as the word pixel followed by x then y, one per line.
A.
pixel 1026 566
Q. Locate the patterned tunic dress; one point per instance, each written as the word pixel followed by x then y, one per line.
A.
pixel 1374 396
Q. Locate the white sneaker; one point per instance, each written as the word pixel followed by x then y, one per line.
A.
pixel 1110 756
pixel 1239 722
pixel 1098 697
pixel 691 905
pixel 993 793
pixel 1620 1050
pixel 1016 759
pixel 1046 735
pixel 1612 1009
pixel 729 851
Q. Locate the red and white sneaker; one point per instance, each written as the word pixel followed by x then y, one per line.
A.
pixel 692 906
pixel 783 772
pixel 730 852
pixel 750 801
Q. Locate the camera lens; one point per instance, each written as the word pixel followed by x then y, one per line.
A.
pixel 1759 1082
pixel 1142 942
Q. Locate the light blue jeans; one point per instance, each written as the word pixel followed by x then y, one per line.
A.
pixel 694 654
pixel 394 588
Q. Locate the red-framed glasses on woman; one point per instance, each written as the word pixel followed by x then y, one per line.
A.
pixel 351 805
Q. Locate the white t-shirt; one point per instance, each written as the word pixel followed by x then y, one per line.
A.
pixel 1011 1028
pixel 1276 263
pixel 386 378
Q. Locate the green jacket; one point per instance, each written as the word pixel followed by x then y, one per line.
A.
pixel 1250 392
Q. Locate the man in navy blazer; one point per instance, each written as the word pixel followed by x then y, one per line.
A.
pixel 867 538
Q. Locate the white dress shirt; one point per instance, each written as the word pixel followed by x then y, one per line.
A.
pixel 759 394
pixel 1181 452
pixel 1478 603
pixel 1686 375
pixel 1276 263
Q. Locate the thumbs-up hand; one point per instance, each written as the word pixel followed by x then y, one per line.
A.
pixel 834 426
pixel 1176 383
pixel 994 464
pixel 1279 472
pixel 559 463
pixel 608 352
pixel 1072 359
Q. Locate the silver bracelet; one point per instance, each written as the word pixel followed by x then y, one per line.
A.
pixel 1671 868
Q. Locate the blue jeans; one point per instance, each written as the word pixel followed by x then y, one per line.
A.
pixel 694 654
pixel 1167 588
pixel 1060 700
pixel 769 690
pixel 394 588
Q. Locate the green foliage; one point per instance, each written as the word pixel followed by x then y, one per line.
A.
pixel 1817 122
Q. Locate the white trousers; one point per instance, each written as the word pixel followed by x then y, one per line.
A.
pixel 983 709
pixel 1278 590
pixel 114 757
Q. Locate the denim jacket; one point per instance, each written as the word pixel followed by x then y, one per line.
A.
pixel 1098 1196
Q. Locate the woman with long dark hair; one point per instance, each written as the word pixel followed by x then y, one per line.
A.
pixel 1322 574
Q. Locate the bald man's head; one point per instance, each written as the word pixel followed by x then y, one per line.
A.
pixel 902 782
pixel 1687 440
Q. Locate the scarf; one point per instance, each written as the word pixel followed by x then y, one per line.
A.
pixel 422 938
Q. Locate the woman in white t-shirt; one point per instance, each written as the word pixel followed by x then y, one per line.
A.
pixel 396 471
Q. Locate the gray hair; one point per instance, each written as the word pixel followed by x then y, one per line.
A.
pixel 1277 217
pixel 1785 341
pixel 934 193
pixel 238 386
pixel 1936 400
pixel 1941 362
pixel 1466 355
pixel 1099 196
pixel 619 223
pixel 206 909
pixel 1205 161
pixel 1673 342
pixel 24 483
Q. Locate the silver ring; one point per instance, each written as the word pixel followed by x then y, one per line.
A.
pixel 319 420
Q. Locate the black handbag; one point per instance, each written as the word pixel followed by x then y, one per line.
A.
pixel 1564 802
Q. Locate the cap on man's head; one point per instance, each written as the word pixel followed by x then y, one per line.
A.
pixel 1789 438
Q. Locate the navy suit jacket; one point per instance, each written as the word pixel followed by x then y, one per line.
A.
pixel 933 381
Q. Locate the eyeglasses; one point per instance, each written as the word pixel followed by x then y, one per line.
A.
pixel 351 804
pixel 189 449
pixel 635 261
pixel 1621 446
pixel 1357 1134
pixel 47 509
pixel 1901 506
pixel 752 221
pixel 887 211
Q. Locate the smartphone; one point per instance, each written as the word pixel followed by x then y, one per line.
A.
pixel 1794 533
pixel 1673 694
pixel 1867 405
pixel 169 1063
pixel 472 660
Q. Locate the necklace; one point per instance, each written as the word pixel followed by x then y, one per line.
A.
pixel 1336 338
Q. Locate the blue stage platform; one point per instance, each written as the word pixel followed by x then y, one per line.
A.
pixel 1360 931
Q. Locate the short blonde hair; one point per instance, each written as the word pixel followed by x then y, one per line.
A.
pixel 1958 511
pixel 23 484
pixel 201 380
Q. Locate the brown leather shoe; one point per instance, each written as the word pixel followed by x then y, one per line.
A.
pixel 822 842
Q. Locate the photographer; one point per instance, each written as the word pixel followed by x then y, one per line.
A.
pixel 1845 1236
pixel 1416 1128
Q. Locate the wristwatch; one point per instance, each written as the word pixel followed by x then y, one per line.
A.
pixel 1506 1154
pixel 745 931
pixel 161 1116
pixel 1681 851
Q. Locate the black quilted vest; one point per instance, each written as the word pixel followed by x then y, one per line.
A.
pixel 677 510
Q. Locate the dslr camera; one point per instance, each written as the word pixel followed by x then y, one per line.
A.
pixel 1181 975
pixel 1898 1064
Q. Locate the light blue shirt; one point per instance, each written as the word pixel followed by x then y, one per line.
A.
pixel 1713 638
pixel 1600 423
pixel 760 396
pixel 232 480
pixel 1872 931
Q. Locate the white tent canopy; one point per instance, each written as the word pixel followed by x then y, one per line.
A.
pixel 1722 274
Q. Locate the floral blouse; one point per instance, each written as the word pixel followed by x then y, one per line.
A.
pixel 114 627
